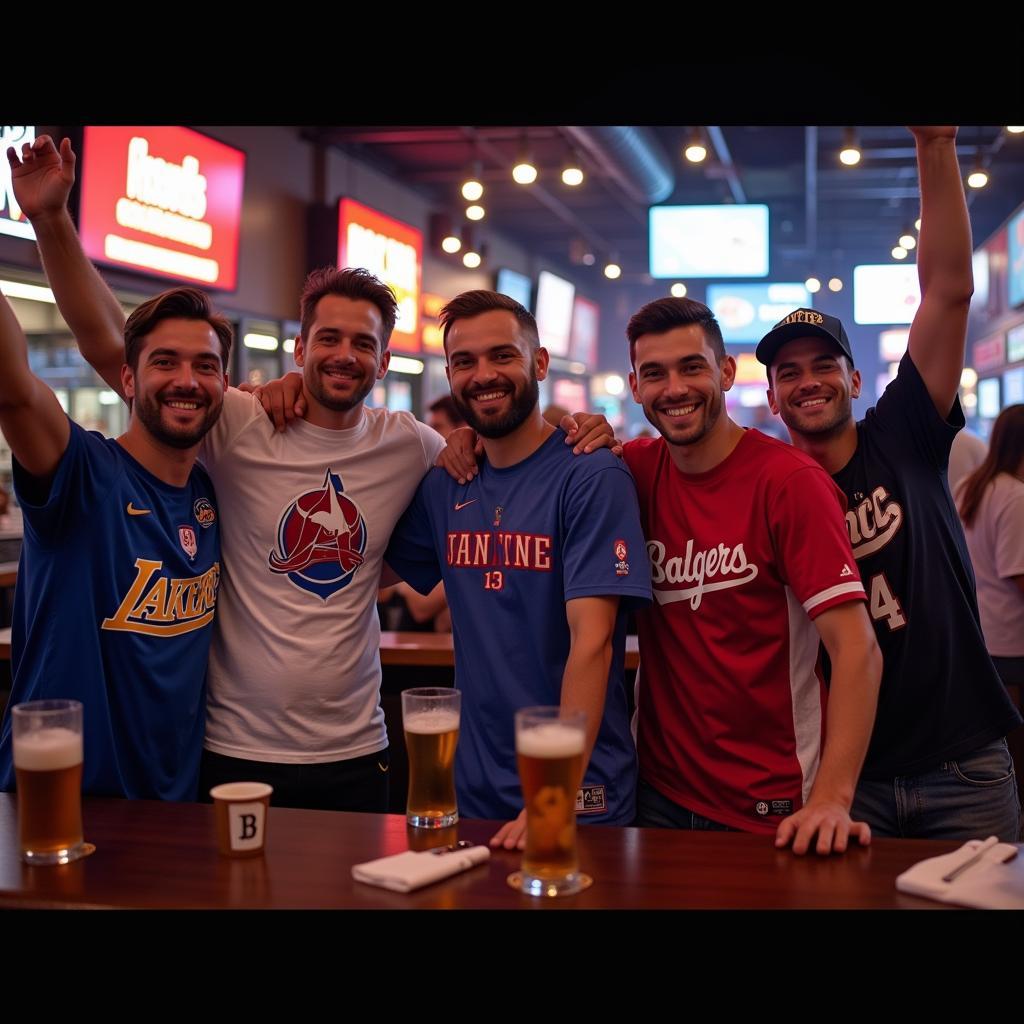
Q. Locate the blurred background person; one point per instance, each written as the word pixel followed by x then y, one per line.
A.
pixel 965 456
pixel 399 607
pixel 991 504
pixel 444 416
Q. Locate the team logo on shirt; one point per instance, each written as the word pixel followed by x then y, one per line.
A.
pixel 591 800
pixel 873 523
pixel 780 808
pixel 205 513
pixel 725 567
pixel 321 540
pixel 187 539
pixel 160 606
pixel 621 554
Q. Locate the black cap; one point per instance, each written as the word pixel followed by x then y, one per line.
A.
pixel 799 324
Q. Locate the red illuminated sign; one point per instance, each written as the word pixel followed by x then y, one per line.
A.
pixel 990 353
pixel 391 250
pixel 164 200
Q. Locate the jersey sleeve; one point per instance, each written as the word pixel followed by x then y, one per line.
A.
pixel 811 541
pixel 86 473
pixel 412 551
pixel 604 553
pixel 907 413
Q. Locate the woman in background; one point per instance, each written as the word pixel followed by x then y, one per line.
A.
pixel 991 505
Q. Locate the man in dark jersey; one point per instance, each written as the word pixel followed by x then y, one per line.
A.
pixel 937 766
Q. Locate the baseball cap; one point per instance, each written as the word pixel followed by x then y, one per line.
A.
pixel 799 324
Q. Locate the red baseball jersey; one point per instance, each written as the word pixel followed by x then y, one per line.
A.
pixel 730 694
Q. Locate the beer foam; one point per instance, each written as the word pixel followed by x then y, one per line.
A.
pixel 430 723
pixel 550 740
pixel 48 750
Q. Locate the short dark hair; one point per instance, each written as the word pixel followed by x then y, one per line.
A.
pixel 446 405
pixel 470 304
pixel 664 315
pixel 349 283
pixel 174 304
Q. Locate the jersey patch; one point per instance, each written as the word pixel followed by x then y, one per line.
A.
pixel 321 540
pixel 779 808
pixel 591 800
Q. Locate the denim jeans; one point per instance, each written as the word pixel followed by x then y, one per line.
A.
pixel 973 797
pixel 656 811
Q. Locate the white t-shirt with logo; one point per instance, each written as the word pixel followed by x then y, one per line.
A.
pixel 305 516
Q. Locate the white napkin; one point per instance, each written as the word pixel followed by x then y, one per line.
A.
pixel 404 872
pixel 995 879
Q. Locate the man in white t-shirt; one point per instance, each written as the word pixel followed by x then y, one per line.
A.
pixel 294 671
pixel 294 678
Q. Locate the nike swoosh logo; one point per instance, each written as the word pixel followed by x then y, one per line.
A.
pixel 463 504
pixel 133 511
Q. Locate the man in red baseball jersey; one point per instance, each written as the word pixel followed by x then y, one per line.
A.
pixel 751 566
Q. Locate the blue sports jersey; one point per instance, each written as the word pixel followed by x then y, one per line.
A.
pixel 513 546
pixel 114 607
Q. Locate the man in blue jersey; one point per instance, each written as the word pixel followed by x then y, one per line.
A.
pixel 539 554
pixel 121 558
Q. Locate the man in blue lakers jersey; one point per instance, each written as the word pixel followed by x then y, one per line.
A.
pixel 121 558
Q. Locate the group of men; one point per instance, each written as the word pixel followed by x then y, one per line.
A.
pixel 757 551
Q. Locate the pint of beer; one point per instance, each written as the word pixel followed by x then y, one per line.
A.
pixel 549 749
pixel 47 737
pixel 430 719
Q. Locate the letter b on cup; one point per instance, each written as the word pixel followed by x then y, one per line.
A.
pixel 241 809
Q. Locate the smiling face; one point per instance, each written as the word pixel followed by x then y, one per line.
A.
pixel 342 356
pixel 680 383
pixel 494 371
pixel 176 387
pixel 812 387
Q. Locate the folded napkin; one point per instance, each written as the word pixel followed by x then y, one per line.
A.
pixel 404 872
pixel 982 873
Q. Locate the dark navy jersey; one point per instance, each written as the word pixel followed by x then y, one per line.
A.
pixel 513 546
pixel 114 607
pixel 941 696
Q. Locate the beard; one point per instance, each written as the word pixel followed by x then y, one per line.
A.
pixel 149 409
pixel 336 403
pixel 524 401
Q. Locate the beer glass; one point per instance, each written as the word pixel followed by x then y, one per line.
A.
pixel 47 741
pixel 430 719
pixel 549 749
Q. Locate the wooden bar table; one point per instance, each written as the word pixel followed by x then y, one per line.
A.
pixel 151 855
pixel 434 650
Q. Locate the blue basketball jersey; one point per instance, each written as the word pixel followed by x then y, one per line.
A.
pixel 513 546
pixel 114 607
